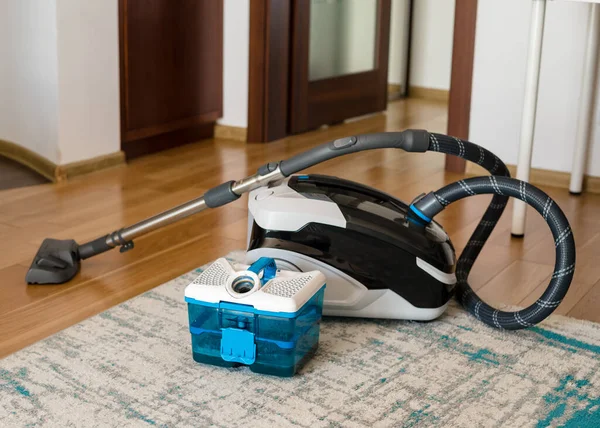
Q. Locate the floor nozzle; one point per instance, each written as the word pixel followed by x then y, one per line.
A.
pixel 56 261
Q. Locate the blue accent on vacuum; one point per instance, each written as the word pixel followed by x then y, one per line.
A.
pixel 238 346
pixel 419 213
pixel 267 266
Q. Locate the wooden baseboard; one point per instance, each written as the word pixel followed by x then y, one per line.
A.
pixel 394 91
pixel 394 88
pixel 26 157
pixel 543 177
pixel 54 172
pixel 74 169
pixel 227 132
pixel 429 93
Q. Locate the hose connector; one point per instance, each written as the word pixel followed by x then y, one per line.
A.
pixel 426 207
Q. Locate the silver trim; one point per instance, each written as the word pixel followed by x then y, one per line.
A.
pixel 446 278
pixel 255 181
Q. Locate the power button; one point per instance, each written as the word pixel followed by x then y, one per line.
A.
pixel 342 143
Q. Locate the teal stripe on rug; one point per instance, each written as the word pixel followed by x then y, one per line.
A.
pixel 571 405
pixel 569 341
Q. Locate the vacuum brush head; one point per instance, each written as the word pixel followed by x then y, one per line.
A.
pixel 56 261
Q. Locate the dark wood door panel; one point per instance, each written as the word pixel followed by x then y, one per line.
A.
pixel 171 67
pixel 333 100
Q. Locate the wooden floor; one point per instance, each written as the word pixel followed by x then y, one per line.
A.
pixel 509 271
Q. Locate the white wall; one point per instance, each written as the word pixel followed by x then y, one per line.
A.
pixel 88 79
pixel 431 50
pixel 59 77
pixel 236 42
pixel 398 57
pixel 499 76
pixel 28 75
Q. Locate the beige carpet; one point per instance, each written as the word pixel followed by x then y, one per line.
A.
pixel 132 366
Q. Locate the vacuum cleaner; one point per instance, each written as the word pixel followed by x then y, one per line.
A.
pixel 381 257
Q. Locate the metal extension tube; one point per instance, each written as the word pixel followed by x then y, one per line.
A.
pixel 126 235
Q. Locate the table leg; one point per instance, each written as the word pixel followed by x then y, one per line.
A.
pixel 529 108
pixel 586 101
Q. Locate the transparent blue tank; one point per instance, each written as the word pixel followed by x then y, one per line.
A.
pixel 275 343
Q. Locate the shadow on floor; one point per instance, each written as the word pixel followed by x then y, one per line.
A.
pixel 13 175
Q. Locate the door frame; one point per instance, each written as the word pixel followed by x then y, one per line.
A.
pixel 461 77
pixel 269 73
pixel 268 80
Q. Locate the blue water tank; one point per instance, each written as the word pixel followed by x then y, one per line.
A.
pixel 258 316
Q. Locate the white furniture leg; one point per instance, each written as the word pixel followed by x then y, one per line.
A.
pixel 529 108
pixel 586 101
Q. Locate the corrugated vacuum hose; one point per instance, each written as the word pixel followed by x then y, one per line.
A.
pixel 502 187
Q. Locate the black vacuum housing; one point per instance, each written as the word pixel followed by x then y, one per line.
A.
pixel 379 245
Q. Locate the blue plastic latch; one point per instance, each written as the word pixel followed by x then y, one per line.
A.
pixel 238 346
pixel 267 266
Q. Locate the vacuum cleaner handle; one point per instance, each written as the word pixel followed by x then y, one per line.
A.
pixel 409 140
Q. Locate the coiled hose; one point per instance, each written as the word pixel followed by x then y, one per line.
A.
pixel 502 187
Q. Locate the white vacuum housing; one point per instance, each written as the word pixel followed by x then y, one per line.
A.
pixel 378 262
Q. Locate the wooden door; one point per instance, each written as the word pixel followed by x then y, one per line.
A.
pixel 171 70
pixel 327 84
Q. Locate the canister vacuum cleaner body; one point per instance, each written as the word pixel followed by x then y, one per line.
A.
pixel 379 263
pixel 382 258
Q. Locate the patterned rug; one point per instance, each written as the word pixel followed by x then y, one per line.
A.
pixel 131 366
